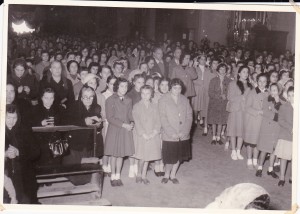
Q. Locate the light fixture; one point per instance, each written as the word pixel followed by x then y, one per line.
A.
pixel 22 28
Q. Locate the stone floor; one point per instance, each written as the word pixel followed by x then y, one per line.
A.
pixel 203 178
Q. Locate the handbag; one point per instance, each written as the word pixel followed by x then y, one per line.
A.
pixel 58 144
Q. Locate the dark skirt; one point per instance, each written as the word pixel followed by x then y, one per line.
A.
pixel 173 151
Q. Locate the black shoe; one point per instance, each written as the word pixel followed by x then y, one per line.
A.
pixel 276 168
pixel 258 173
pixel 174 181
pixel 146 181
pixel 281 183
pixel 204 134
pixel 119 182
pixel 162 174
pixel 273 174
pixel 213 142
pixel 138 180
pixel 113 183
pixel 157 174
pixel 164 180
pixel 219 142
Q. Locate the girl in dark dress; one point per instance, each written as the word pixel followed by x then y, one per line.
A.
pixel 46 114
pixel 84 112
pixel 20 153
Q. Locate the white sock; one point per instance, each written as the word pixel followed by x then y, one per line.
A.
pixel 214 138
pixel 161 167
pixel 259 168
pixel 254 162
pixel 218 138
pixel 249 162
pixel 205 130
pixel 277 163
pixel 113 177
pixel 270 169
pixel 108 168
pixel 118 176
pixel 157 168
pixel 104 168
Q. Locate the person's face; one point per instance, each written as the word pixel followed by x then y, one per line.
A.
pixel 186 60
pixel 94 70
pixel 59 57
pixel 164 87
pixel 29 64
pixel 285 76
pixel 56 69
pixel 239 53
pixel 202 60
pixel 262 82
pixel 142 53
pixel 214 65
pixel 150 82
pixel 85 52
pixel 290 97
pixel 151 64
pixel 290 64
pixel 247 54
pixel 71 57
pixel 125 63
pixel 83 74
pixel 144 67
pixel 118 68
pixel 274 78
pixel 92 83
pixel 146 94
pixel 103 58
pixel 274 91
pixel 269 58
pixel 87 97
pixel 177 53
pixel 48 99
pixel 251 63
pixel 78 58
pixel 96 58
pixel 259 59
pixel 19 71
pixel 176 90
pixel 284 63
pixel 271 67
pixel 10 120
pixel 258 68
pixel 222 71
pixel 158 54
pixel 122 90
pixel 10 94
pixel 139 83
pixel 168 59
pixel 105 73
pixel 244 74
pixel 110 85
pixel 73 69
pixel 45 57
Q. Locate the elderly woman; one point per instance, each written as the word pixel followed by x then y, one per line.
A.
pixel 176 119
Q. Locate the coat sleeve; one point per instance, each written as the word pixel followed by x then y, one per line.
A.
pixel 249 102
pixel 166 126
pixel 231 95
pixel 110 113
pixel 157 123
pixel 137 120
pixel 71 96
pixel 268 113
pixel 189 119
pixel 193 74
pixel 282 119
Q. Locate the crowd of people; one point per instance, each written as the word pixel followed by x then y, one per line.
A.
pixel 144 98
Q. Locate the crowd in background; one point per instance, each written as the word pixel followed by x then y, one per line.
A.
pixel 144 97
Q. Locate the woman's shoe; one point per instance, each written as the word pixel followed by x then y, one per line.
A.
pixel 226 148
pixel 213 142
pixel 138 180
pixel 113 183
pixel 146 181
pixel 281 183
pixel 234 155
pixel 174 180
pixel 273 174
pixel 250 166
pixel 220 142
pixel 119 182
pixel 162 174
pixel 258 173
pixel 204 134
pixel 157 174
pixel 276 168
pixel 164 180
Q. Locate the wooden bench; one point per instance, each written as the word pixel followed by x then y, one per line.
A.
pixel 59 173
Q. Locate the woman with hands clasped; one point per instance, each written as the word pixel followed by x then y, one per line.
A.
pixel 176 118
pixel 146 132
pixel 119 140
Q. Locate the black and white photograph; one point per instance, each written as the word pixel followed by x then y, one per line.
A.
pixel 163 107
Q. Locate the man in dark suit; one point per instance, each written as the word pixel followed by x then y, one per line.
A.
pixel 160 66
pixel 175 61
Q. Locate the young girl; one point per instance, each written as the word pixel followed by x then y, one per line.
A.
pixel 253 119
pixel 107 93
pixel 237 93
pixel 269 131
pixel 146 132
pixel 217 115
pixel 285 88
pixel 176 117
pixel 283 148
pixel 119 140
pixel 156 81
pixel 149 81
pixel 72 74
pixel 284 76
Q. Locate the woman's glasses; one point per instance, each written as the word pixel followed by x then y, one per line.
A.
pixel 87 98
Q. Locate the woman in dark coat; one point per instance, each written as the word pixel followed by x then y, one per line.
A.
pixel 63 88
pixel 217 114
pixel 85 112
pixel 46 114
pixel 20 153
pixel 26 85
